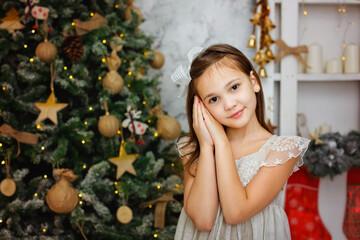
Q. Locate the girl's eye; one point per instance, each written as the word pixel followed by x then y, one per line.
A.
pixel 235 87
pixel 214 99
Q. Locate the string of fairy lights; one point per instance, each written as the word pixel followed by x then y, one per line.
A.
pixel 344 18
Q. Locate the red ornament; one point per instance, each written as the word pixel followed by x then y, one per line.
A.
pixel 141 142
pixel 49 29
pixel 34 27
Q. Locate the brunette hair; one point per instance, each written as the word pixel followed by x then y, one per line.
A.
pixel 200 64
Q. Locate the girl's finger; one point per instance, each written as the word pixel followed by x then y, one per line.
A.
pixel 195 109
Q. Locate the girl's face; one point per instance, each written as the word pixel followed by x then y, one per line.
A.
pixel 228 94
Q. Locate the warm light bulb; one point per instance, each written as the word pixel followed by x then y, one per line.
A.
pixel 71 77
pixel 45 176
pixel 156 134
pixel 80 202
pixel 150 206
pixel 115 183
pixel 92 14
pixel 31 59
pixel 85 122
pixel 118 132
pixel 177 185
pixel 80 195
pixel 103 60
pixel 155 235
pixel 172 164
pixel 344 10
pixel 158 186
pixel 3 162
pixel 65 67
pixel 116 5
pixel 149 121
pixel 90 108
pixel 144 102
pixel 122 35
pixel 305 13
pixel 99 77
pixel 72 24
pixel 129 85
pixel 104 41
pixel 43 148
pixel 0 144
pixel 145 53
pixel 343 58
pixel 83 141
pixel 25 46
pixel 116 191
pixel 339 10
pixel 337 29
pixel 1 220
pixel 124 61
pixel 44 229
pixel 33 31
pixel 4 88
pixel 35 194
pixel 129 73
pixel 84 166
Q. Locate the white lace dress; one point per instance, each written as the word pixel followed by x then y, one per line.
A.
pixel 271 222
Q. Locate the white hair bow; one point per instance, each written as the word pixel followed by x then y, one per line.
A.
pixel 181 75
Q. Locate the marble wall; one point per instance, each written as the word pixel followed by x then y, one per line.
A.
pixel 179 25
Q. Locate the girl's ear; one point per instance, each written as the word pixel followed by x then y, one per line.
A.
pixel 254 82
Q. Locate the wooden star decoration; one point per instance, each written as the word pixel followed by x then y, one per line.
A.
pixel 49 109
pixel 12 21
pixel 124 162
pixel 272 127
pixel 316 138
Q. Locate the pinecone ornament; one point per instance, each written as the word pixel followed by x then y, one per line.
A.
pixel 73 47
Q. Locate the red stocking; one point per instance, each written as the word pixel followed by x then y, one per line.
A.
pixel 351 224
pixel 301 207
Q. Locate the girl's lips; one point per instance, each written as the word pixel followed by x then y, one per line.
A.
pixel 237 114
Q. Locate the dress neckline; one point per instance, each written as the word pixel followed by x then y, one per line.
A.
pixel 245 156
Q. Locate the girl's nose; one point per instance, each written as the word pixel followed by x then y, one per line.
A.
pixel 229 103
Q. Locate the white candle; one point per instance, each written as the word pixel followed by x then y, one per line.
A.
pixel 351 54
pixel 314 59
pixel 334 66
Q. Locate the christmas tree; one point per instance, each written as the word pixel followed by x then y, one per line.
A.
pixel 82 131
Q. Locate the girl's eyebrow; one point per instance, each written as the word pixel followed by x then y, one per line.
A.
pixel 226 86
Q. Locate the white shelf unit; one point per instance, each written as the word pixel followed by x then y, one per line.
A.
pixel 330 98
pixel 288 90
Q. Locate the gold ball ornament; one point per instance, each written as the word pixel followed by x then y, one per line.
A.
pixel 124 214
pixel 158 61
pixel 46 51
pixel 168 127
pixel 113 81
pixel 62 197
pixel 128 15
pixel 8 187
pixel 108 125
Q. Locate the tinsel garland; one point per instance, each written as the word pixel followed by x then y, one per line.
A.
pixel 337 154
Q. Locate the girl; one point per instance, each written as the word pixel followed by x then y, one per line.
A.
pixel 235 170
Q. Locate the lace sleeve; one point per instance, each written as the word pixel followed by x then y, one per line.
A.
pixel 180 146
pixel 283 148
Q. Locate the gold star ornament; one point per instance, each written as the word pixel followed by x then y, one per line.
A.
pixel 49 109
pixel 124 162
pixel 316 137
